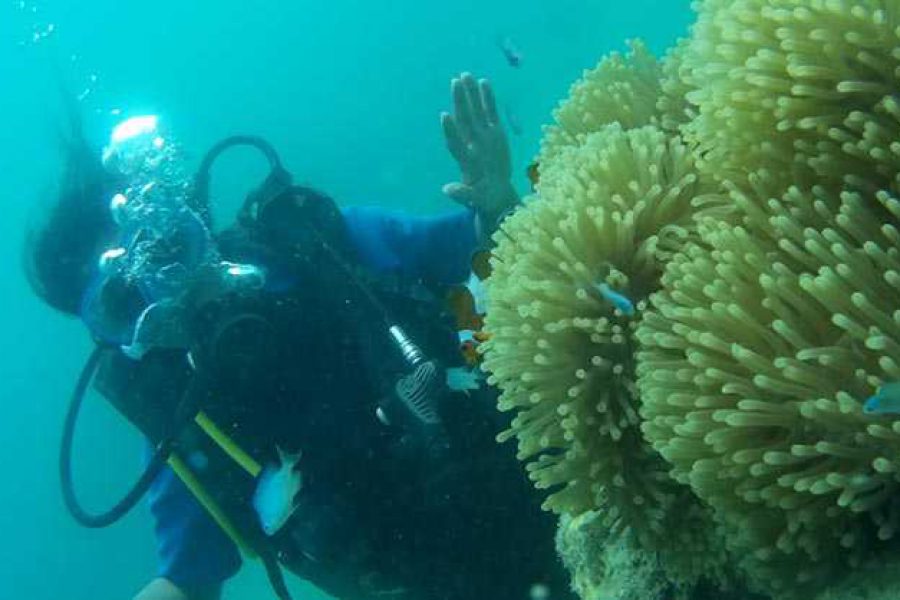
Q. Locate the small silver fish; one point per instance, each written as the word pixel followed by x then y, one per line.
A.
pixel 461 379
pixel 616 299
pixel 885 402
pixel 276 489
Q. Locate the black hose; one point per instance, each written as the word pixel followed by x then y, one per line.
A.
pixel 161 454
pixel 199 200
pixel 277 173
pixel 275 575
pixel 135 493
pixel 239 140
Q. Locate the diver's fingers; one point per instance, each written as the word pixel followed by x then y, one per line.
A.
pixel 461 193
pixel 462 108
pixel 477 107
pixel 455 143
pixel 488 101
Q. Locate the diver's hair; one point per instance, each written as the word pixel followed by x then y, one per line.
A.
pixel 60 250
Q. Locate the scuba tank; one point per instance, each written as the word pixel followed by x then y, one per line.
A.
pixel 164 295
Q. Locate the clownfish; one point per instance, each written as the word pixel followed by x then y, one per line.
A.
pixel 467 304
pixel 469 341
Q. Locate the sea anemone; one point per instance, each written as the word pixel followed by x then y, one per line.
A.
pixel 752 368
pixel 572 270
pixel 620 89
pixel 701 295
pixel 795 88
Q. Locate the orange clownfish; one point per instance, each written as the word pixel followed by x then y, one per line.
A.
pixel 466 302
pixel 469 341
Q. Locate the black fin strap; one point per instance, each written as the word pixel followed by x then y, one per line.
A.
pixel 275 575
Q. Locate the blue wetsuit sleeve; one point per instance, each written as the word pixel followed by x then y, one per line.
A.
pixel 436 249
pixel 193 551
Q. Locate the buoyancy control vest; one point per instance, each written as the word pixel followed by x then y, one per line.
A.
pixel 314 382
pixel 305 364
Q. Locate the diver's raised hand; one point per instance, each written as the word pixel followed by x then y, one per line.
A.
pixel 476 139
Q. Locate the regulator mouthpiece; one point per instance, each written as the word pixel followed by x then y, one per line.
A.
pixel 164 252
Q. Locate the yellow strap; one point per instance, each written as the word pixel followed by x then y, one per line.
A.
pixel 208 502
pixel 228 445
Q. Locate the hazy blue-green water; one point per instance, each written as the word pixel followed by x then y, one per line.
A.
pixel 348 91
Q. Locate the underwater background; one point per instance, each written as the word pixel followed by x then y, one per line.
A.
pixel 348 91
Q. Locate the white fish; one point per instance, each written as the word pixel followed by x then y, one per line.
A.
pixel 539 591
pixel 276 489
pixel 461 379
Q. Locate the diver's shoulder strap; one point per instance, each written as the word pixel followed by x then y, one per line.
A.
pixel 146 392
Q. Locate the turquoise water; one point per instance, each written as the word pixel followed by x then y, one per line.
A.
pixel 348 91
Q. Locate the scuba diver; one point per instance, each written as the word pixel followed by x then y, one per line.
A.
pixel 293 373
